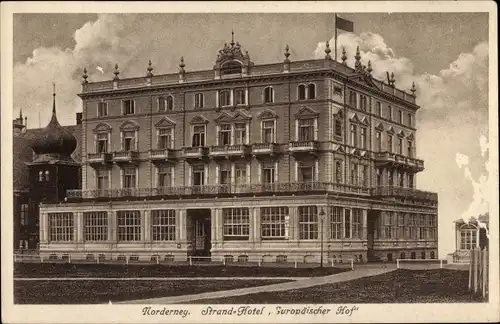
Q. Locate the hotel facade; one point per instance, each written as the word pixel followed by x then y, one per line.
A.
pixel 291 161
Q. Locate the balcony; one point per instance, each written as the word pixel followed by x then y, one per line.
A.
pixel 195 152
pixel 162 155
pixel 263 149
pixel 406 193
pixel 99 158
pixel 294 188
pixel 397 160
pixel 131 157
pixel 304 147
pixel 228 151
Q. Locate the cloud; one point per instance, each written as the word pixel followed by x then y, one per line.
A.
pixel 453 118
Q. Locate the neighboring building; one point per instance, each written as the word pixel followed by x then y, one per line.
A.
pixel 27 193
pixel 247 161
pixel 468 236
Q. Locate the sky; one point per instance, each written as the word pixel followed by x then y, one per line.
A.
pixel 445 54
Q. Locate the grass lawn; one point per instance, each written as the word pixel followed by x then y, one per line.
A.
pixel 48 270
pixel 400 286
pixel 95 292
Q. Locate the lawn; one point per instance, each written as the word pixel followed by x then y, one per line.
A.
pixel 400 286
pixel 50 270
pixel 95 292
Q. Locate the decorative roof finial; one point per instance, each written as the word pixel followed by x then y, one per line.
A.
pixel 232 37
pixel 116 78
pixel 357 56
pixel 344 55
pixel 393 80
pixel 287 54
pixel 150 70
pixel 413 89
pixel 54 99
pixel 21 114
pixel 328 51
pixel 182 65
pixel 357 65
pixel 369 68
pixel 85 76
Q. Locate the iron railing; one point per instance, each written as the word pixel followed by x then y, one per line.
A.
pixel 408 193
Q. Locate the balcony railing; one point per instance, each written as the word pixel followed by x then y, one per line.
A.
pixel 266 188
pixel 103 157
pixel 125 156
pixel 162 154
pixel 408 193
pixel 388 157
pixel 264 148
pixel 304 146
pixel 230 150
pixel 195 152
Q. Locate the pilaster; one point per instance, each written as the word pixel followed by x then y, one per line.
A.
pixel 182 225
pixel 112 226
pixel 220 225
pixel 365 220
pixel 80 226
pixel 146 228
pixel 255 228
pixel 294 233
pixel 76 236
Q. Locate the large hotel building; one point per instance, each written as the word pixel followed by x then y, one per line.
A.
pixel 275 162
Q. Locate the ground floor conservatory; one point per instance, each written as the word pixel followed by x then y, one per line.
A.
pixel 281 229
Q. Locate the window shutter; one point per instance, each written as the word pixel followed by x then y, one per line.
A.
pixel 247 133
pixel 108 149
pixel 172 177
pixel 315 129
pixel 217 135
pixel 121 178
pixel 190 175
pixel 121 141
pixel 246 96
pixel 156 179
pixel 172 138
pixel 95 143
pixel 296 171
pixel 316 170
pixel 137 177
pixel 123 107
pixel 231 97
pixel 205 175
pixel 136 140
pixel 275 135
pixel 217 169
pixel 217 103
pixel 259 172
pixel 296 130
pixel 276 165
pixel 249 179
pixel 109 179
pixel 157 138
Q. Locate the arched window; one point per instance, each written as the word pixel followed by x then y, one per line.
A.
pixel 47 175
pixel 302 92
pixel 40 176
pixel 232 67
pixel 169 103
pixel 311 91
pixel 268 95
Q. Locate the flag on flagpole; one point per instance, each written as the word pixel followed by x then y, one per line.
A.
pixel 344 24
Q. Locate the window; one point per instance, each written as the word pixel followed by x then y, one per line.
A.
pixel 128 107
pixel 129 225
pixel 401 226
pixel 352 99
pixel 225 98
pixel 378 141
pixel 165 176
pixel 400 117
pixel 231 67
pixel 354 174
pixel 389 112
pixel 240 133
pixel 163 225
pixel 308 222
pixel 274 223
pixel 129 140
pixel 198 175
pixel 410 180
pixel 268 131
pixel 335 222
pixel 338 172
pixel 24 214
pixel 165 138
pixel 338 126
pixel 129 177
pixel 268 95
pixel 268 172
pixel 47 175
pixel 379 178
pixel 225 134
pixel 363 102
pixel 354 135
pixel 311 91
pixel 96 226
pixel 240 171
pixel 198 100
pixel 410 120
pixel 61 227
pixel 389 143
pixel 169 103
pixel 379 109
pixel 401 179
pixel 364 175
pixel 241 98
pixel 102 143
pixel 224 174
pixel 363 137
pixel 198 136
pixel 410 149
pixel 421 227
pixel 357 220
pixel 302 92
pixel 236 223
pixel 306 171
pixel 391 178
pixel 468 238
pixel 400 146
pixel 102 109
pixel 306 130
pixel 40 176
pixel 347 223
pixel 102 177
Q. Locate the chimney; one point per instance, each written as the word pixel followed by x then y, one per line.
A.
pixel 79 116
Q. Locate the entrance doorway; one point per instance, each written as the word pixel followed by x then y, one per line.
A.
pixel 371 229
pixel 200 231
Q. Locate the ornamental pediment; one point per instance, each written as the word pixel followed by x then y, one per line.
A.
pixel 199 120
pixel 102 128
pixel 129 125
pixel 267 114
pixel 380 127
pixel 165 123
pixel 240 116
pixel 306 112
pixel 223 118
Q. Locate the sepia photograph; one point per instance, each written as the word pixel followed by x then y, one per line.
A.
pixel 267 165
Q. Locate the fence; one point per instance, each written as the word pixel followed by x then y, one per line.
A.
pixel 478 271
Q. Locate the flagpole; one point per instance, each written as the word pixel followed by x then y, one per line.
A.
pixel 335 37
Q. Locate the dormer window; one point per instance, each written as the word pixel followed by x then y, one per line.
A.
pixel 232 67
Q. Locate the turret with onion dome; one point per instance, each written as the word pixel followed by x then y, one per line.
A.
pixel 54 143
